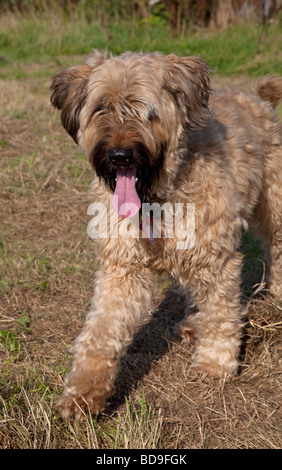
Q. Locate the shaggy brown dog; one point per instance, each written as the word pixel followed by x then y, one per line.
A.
pixel 154 133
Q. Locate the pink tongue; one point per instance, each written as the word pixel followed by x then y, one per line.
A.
pixel 125 199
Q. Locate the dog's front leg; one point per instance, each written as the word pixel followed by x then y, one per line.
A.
pixel 121 296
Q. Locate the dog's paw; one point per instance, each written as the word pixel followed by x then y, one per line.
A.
pixel 211 364
pixel 185 331
pixel 87 388
pixel 77 407
pixel 275 291
pixel 210 371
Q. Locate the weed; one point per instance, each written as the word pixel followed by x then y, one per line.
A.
pixel 11 343
pixel 23 322
pixel 3 143
pixel 3 285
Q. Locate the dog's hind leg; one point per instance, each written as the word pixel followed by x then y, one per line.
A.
pixel 267 220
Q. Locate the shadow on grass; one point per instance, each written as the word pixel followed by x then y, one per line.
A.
pixel 155 338
pixel 152 342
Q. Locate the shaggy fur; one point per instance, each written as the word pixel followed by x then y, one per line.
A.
pixel 220 151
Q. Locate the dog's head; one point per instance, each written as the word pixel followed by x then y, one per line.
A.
pixel 131 113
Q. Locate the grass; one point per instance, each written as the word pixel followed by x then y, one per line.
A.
pixel 47 265
pixel 52 37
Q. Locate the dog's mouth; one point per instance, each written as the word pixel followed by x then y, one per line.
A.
pixel 125 199
pixel 131 182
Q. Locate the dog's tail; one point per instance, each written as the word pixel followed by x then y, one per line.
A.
pixel 269 88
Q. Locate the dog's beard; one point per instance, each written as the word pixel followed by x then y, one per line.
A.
pixel 131 185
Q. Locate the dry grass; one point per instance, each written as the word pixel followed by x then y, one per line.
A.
pixel 47 267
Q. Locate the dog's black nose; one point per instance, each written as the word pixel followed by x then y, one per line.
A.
pixel 121 156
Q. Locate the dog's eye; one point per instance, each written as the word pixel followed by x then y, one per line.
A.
pixel 99 108
pixel 152 115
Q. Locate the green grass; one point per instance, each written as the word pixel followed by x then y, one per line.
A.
pixel 253 49
pixel 29 406
pixel 11 343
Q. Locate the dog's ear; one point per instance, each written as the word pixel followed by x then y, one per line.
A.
pixel 69 92
pixel 188 80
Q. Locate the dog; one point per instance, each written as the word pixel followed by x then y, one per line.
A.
pixel 155 133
